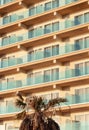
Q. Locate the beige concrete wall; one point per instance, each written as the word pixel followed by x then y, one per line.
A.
pixel 21 76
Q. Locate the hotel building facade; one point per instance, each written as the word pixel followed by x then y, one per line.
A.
pixel 44 50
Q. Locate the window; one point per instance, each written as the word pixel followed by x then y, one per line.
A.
pixel 34 78
pixel 55 74
pixel 38 54
pixel 31 33
pixel 48 52
pixel 47 75
pixel 38 31
pixel 87 67
pixel 12 39
pixel 19 38
pixel 82 18
pixel 55 3
pixel 55 26
pixel 48 6
pixel 80 95
pixel 48 28
pixel 50 96
pixel 39 9
pixel 86 42
pixel 51 75
pixel 79 44
pixel 79 69
pixel 38 77
pixel 55 50
pixel 8 61
pixel 11 60
pixel 79 19
pixel 82 68
pixel 6 19
pixel 11 83
pixel 31 56
pixel 32 11
pixel 14 17
pixel 1 2
pixel 5 41
pixel 4 84
pixel 20 15
pixel 68 1
pixel 4 62
pixel 86 17
pixel 87 94
pixel 30 79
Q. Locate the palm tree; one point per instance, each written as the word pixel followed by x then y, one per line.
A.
pixel 38 120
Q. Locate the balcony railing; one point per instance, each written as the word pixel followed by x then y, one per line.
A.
pixel 57 51
pixel 8 107
pixel 77 125
pixel 43 31
pixel 42 79
pixel 3 2
pixel 77 99
pixel 13 129
pixel 34 11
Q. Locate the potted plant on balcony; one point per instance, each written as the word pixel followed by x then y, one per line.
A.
pixel 37 119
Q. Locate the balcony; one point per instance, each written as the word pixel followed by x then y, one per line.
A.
pixel 14 129
pixel 32 12
pixel 76 103
pixel 75 125
pixel 68 28
pixel 40 14
pixel 2 2
pixel 77 99
pixel 60 79
pixel 42 59
pixel 8 108
pixel 7 6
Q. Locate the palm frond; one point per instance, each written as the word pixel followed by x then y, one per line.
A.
pixel 20 96
pixel 53 102
pixel 39 103
pixel 20 104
